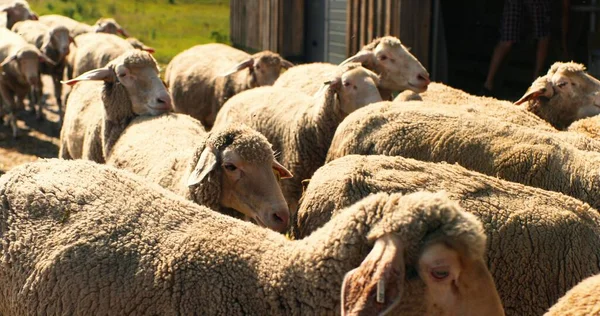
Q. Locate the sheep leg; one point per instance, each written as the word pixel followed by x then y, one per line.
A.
pixel 8 100
pixel 58 94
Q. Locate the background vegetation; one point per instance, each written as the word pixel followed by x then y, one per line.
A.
pixel 170 26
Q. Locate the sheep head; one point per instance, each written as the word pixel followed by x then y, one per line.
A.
pixel 26 63
pixel 565 94
pixel 427 263
pixel 354 86
pixel 108 25
pixel 58 40
pixel 17 11
pixel 397 68
pixel 137 72
pixel 236 169
pixel 264 68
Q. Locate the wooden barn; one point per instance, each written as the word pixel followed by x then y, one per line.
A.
pixel 453 39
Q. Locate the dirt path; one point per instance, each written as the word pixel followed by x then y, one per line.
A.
pixel 37 139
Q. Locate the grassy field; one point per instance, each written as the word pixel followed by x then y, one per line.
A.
pixel 170 26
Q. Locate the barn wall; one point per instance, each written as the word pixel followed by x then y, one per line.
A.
pixel 335 50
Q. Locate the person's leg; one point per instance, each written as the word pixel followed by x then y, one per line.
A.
pixel 509 34
pixel 539 13
pixel 500 51
pixel 540 58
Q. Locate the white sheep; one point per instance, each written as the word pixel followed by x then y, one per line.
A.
pixel 98 112
pixel 103 25
pixel 540 243
pixel 440 132
pixel 397 68
pixel 299 126
pixel 82 238
pixel 19 71
pixel 565 94
pixel 582 299
pixel 53 42
pixel 202 78
pixel 232 168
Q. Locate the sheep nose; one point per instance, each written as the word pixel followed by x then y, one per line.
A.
pixel 424 77
pixel 280 220
pixel 164 101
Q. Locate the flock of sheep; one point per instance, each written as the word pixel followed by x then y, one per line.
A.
pixel 231 189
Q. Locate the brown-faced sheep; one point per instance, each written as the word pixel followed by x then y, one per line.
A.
pixel 15 11
pixel 74 243
pixel 98 112
pixel 397 68
pixel 439 132
pixel 203 77
pixel 583 299
pixel 540 243
pixel 565 94
pixel 229 168
pixel 53 42
pixel 499 109
pixel 299 126
pixel 19 71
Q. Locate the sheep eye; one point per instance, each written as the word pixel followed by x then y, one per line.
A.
pixel 383 57
pixel 122 75
pixel 229 167
pixel 257 67
pixel 561 84
pixel 440 274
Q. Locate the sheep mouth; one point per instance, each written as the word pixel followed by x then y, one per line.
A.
pixel 160 108
pixel 418 88
pixel 258 221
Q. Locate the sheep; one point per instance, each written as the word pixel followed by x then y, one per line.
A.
pixel 15 10
pixel 54 43
pixel 540 243
pixel 583 299
pixel 98 112
pixel 299 126
pixel 95 50
pixel 397 68
pixel 19 72
pixel 103 25
pixel 565 94
pixel 203 77
pixel 438 132
pixel 230 168
pixel 79 245
pixel 499 109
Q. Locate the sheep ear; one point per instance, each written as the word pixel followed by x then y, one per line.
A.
pixel 96 74
pixel 334 84
pixel 148 49
pixel 538 89
pixel 364 57
pixel 286 64
pixel 248 63
pixel 283 172
pixel 8 60
pixel 206 163
pixel 376 286
pixel 123 32
pixel 72 41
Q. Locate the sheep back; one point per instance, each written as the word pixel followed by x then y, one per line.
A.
pixel 545 240
pixel 308 78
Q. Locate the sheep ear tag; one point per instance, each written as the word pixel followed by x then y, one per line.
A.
pixel 206 163
pixel 375 287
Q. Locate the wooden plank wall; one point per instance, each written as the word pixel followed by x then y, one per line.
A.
pixel 409 20
pixel 276 25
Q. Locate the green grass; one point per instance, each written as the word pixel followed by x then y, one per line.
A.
pixel 170 26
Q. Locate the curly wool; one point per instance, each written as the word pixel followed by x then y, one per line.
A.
pixel 154 253
pixel 532 234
